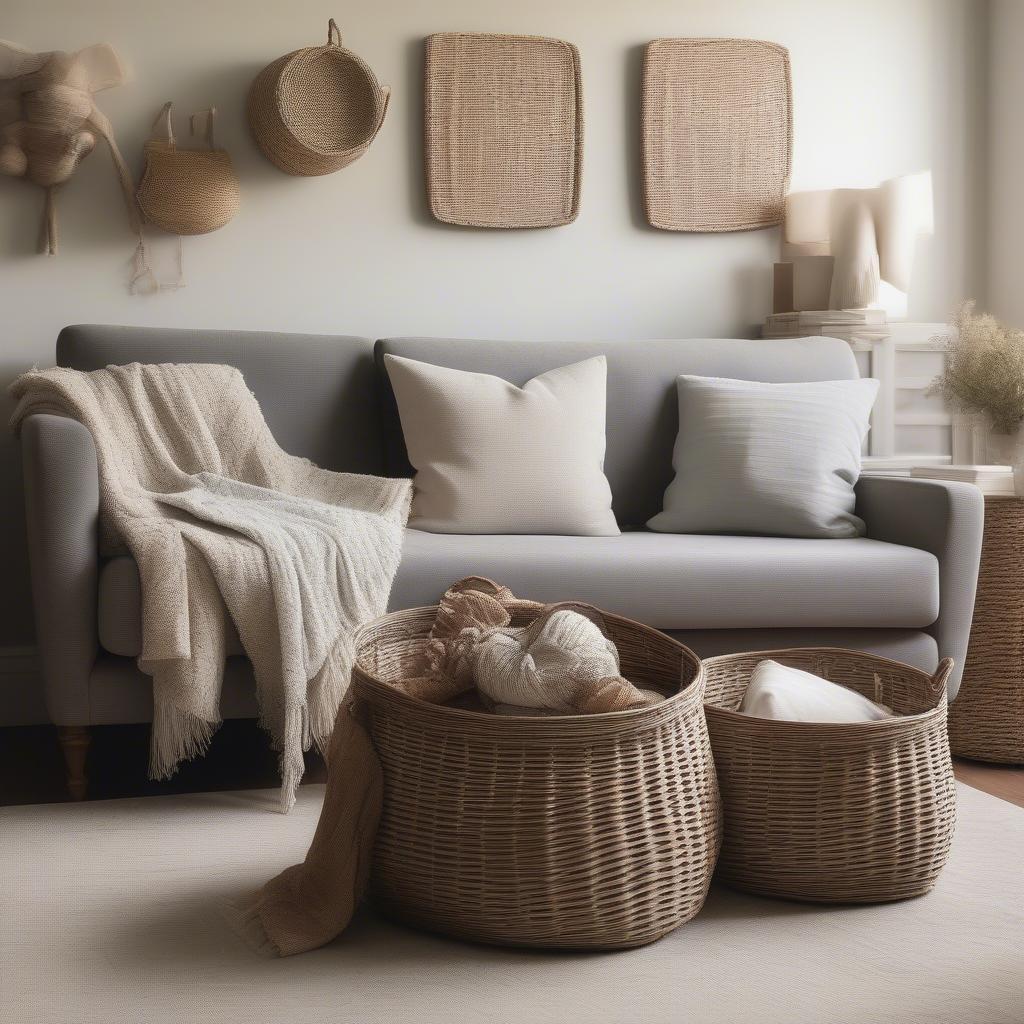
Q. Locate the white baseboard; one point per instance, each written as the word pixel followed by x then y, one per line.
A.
pixel 21 688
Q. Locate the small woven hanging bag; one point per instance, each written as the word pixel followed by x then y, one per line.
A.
pixel 186 191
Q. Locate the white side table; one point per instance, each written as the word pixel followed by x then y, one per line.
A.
pixel 904 357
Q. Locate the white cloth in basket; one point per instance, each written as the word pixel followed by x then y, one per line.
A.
pixel 548 664
pixel 792 695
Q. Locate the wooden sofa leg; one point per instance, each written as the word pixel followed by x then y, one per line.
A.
pixel 74 742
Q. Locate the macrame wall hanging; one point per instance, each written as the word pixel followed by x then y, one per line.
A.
pixel 49 121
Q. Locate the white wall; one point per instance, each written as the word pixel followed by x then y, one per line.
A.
pixel 881 87
pixel 1005 293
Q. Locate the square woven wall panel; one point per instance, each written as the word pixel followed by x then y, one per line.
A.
pixel 717 133
pixel 503 123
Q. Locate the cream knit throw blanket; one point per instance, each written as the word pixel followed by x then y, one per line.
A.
pixel 222 522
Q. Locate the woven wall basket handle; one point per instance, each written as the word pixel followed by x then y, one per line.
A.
pixel 165 122
pixel 385 93
pixel 333 33
pixel 163 119
pixel 211 115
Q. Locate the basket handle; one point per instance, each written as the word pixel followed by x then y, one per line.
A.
pixel 386 93
pixel 168 132
pixel 210 113
pixel 937 683
pixel 333 33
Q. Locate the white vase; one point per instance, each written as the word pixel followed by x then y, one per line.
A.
pixel 1008 450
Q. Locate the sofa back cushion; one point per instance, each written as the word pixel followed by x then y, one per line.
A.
pixel 318 392
pixel 491 457
pixel 761 458
pixel 642 413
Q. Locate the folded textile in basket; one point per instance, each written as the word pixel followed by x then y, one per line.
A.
pixel 562 660
pixel 789 694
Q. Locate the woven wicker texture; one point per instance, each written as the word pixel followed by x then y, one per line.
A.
pixel 187 191
pixel 576 831
pixel 503 130
pixel 851 813
pixel 316 110
pixel 986 721
pixel 717 133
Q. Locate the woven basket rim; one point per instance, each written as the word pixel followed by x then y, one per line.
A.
pixel 683 693
pixel 281 68
pixel 836 728
pixel 525 36
pixel 754 41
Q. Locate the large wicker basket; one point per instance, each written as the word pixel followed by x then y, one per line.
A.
pixel 581 831
pixel 851 813
pixel 316 110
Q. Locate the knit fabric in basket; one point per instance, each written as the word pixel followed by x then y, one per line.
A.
pixel 504 130
pixel 717 133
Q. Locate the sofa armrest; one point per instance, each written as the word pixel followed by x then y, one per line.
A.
pixel 62 510
pixel 946 519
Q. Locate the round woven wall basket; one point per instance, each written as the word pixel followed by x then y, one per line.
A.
pixel 316 110
pixel 834 813
pixel 577 831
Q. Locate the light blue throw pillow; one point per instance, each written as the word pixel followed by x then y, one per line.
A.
pixel 772 459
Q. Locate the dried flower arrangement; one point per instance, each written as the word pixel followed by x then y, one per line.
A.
pixel 984 369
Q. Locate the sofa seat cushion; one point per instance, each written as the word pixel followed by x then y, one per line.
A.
pixel 671 581
pixel 686 581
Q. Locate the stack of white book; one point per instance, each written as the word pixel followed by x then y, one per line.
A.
pixel 994 481
pixel 824 321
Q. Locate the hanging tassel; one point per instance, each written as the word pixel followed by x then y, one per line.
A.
pixel 143 281
pixel 48 231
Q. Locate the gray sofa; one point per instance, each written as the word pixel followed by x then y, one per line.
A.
pixel 905 591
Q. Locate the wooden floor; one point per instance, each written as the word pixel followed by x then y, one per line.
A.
pixel 1005 782
pixel 32 769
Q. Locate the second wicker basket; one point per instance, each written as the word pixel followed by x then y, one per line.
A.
pixel 834 813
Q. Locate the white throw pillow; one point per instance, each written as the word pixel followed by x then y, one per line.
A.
pixel 792 695
pixel 491 457
pixel 771 459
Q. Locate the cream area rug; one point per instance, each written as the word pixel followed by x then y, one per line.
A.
pixel 111 912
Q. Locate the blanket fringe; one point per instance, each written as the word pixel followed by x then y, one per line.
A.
pixel 293 765
pixel 176 736
pixel 322 717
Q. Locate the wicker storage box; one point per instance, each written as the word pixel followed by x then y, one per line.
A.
pixel 834 813
pixel 579 831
